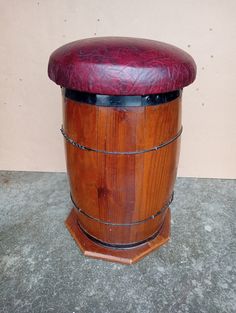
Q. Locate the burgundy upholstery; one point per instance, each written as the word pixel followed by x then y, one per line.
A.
pixel 121 66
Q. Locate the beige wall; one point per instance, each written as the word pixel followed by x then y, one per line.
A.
pixel 30 103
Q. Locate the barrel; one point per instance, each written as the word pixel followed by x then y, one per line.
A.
pixel 122 164
pixel 122 128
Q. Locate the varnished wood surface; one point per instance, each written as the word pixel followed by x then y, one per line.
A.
pixel 122 188
pixel 127 256
pixel 121 129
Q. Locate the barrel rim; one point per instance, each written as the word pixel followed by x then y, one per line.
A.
pixel 120 101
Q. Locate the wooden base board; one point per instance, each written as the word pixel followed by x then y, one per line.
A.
pixel 123 256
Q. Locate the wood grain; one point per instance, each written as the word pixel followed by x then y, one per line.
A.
pixel 121 188
pixel 126 256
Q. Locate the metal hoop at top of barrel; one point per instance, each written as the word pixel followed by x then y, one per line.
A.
pixel 122 128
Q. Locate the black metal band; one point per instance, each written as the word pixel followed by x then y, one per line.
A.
pixel 120 101
pixel 77 145
pixel 161 211
pixel 120 246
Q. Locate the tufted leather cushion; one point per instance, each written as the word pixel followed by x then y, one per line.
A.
pixel 121 66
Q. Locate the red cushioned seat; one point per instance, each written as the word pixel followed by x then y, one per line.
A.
pixel 121 66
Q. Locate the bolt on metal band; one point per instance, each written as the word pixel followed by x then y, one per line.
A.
pixel 77 145
pixel 161 211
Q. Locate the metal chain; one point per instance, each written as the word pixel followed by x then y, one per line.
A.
pixel 162 210
pixel 77 145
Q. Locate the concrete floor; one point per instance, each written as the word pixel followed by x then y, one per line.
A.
pixel 42 269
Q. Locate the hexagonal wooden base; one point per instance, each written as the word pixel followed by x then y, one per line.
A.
pixel 123 256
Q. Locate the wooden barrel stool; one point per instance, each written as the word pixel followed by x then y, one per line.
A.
pixel 122 127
